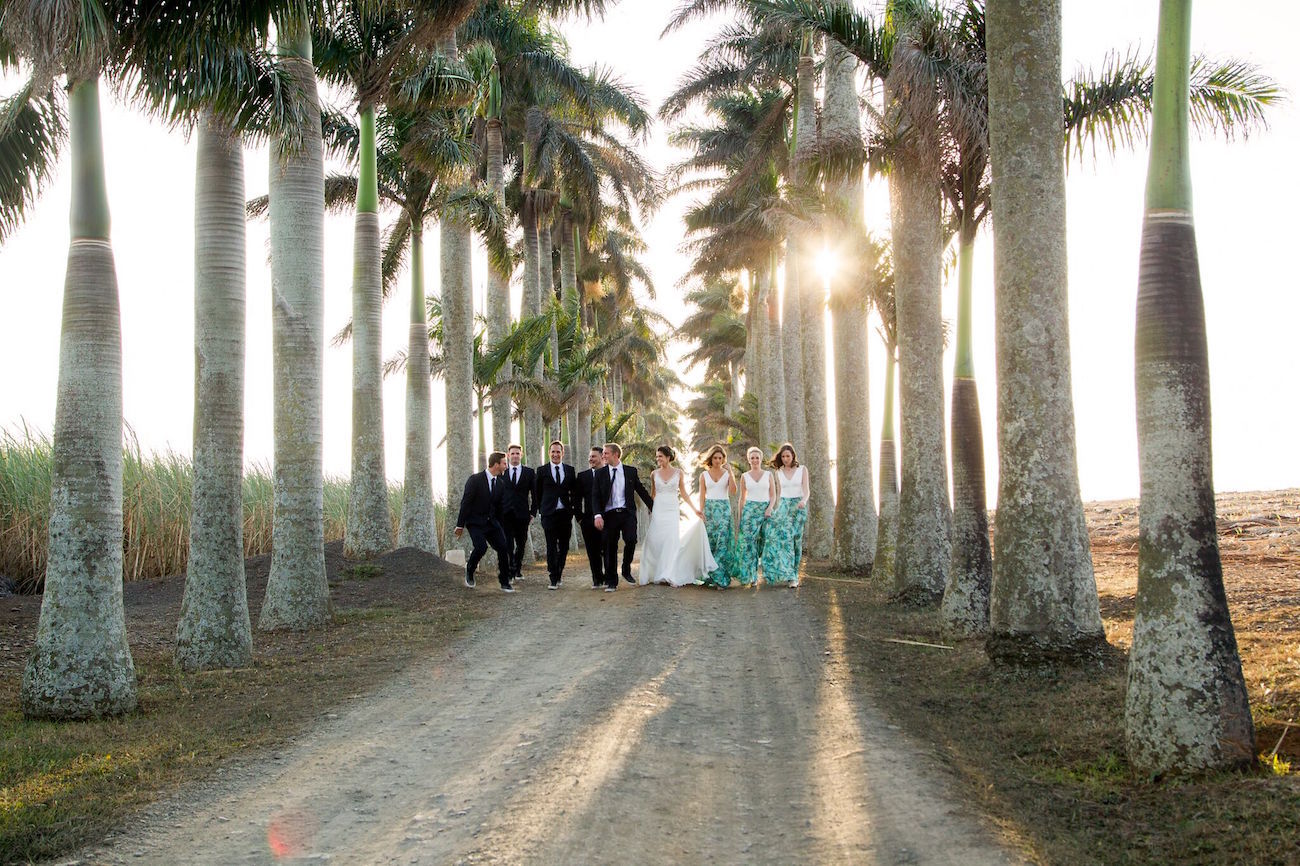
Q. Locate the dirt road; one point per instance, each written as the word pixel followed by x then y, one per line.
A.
pixel 644 726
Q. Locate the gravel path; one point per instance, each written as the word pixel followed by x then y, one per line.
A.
pixel 648 726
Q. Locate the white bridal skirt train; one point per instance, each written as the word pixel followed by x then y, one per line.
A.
pixel 675 553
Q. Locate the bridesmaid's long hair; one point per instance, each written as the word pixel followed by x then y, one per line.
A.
pixel 707 461
pixel 778 459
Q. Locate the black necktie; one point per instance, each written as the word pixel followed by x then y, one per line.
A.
pixel 514 476
pixel 557 474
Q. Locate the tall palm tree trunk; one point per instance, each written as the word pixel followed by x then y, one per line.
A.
pixel 1186 709
pixel 297 594
pixel 214 630
pixel 792 348
pixel 569 300
pixel 882 566
pixel 924 516
pixel 369 528
pixel 498 299
pixel 532 306
pixel 773 410
pixel 812 317
pixel 965 605
pixel 1043 604
pixel 546 276
pixel 855 508
pixel 458 355
pixel 80 665
pixel 417 524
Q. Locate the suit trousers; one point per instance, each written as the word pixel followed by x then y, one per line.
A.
pixel 594 540
pixel 558 529
pixel 516 530
pixel 482 537
pixel 619 524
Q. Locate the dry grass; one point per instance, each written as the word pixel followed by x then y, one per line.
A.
pixel 1043 753
pixel 156 491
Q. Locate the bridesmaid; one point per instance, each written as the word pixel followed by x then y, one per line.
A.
pixel 716 486
pixel 757 498
pixel 783 538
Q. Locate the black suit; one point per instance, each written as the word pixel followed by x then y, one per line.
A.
pixel 480 515
pixel 554 501
pixel 517 509
pixel 584 508
pixel 619 521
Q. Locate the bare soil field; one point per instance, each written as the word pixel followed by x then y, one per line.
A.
pixel 432 724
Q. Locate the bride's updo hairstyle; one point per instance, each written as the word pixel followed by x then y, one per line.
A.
pixel 780 460
pixel 667 452
pixel 707 460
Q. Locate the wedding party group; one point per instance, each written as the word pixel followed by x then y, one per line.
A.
pixel 761 539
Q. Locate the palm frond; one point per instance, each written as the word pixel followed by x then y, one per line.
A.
pixel 32 130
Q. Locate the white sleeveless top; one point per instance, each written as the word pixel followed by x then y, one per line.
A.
pixel 791 488
pixel 758 490
pixel 715 489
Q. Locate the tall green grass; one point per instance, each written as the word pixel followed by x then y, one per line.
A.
pixel 156 491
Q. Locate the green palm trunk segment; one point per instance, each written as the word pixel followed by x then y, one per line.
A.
pixel 1169 171
pixel 1186 706
pixel 89 215
pixel 368 179
pixel 963 361
pixel 80 665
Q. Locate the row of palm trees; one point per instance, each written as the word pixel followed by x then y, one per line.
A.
pixel 461 113
pixel 967 121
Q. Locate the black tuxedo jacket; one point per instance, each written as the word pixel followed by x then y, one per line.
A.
pixel 631 486
pixel 547 493
pixel 518 499
pixel 478 507
pixel 584 504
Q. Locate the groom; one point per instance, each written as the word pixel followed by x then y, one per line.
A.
pixel 616 512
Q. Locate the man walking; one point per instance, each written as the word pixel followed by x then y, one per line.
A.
pixel 616 512
pixel 480 513
pixel 585 513
pixel 553 499
pixel 517 507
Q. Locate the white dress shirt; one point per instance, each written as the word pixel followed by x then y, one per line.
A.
pixel 617 499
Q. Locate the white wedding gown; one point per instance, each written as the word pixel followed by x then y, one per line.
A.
pixel 673 554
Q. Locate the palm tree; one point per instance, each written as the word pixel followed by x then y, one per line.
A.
pixel 244 94
pixel 1186 709
pixel 1044 597
pixel 803 247
pixel 81 664
pixel 360 46
pixel 855 510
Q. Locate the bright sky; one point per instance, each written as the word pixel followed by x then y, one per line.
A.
pixel 1243 193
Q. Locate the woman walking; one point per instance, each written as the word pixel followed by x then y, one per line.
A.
pixel 757 497
pixel 716 486
pixel 783 536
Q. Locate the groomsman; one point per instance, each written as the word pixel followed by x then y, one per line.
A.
pixel 517 507
pixel 480 513
pixel 585 513
pixel 616 512
pixel 553 498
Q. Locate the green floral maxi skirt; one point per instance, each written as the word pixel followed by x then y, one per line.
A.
pixel 749 546
pixel 719 528
pixel 783 541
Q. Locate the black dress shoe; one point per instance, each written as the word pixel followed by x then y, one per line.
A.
pixel 627 578
pixel 469 579
pixel 553 586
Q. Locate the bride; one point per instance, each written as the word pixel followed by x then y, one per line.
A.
pixel 672 555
